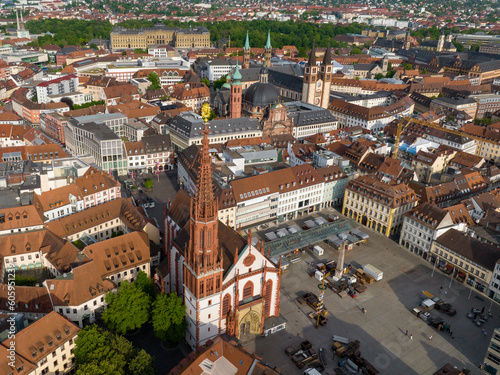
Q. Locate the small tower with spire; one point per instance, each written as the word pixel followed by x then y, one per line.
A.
pixel 325 75
pixel 246 53
pixel 310 79
pixel 236 94
pixel 267 51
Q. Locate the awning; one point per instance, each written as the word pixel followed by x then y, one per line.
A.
pixel 449 266
pixel 461 274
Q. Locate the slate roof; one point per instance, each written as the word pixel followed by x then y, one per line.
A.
pixel 190 125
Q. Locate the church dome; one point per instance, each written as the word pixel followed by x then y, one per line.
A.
pixel 261 94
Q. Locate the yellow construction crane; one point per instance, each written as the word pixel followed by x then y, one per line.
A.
pixel 405 121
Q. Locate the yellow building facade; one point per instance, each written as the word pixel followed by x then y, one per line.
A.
pixel 378 205
pixel 197 37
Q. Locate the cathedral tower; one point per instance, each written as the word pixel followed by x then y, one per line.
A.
pixel 236 94
pixel 203 268
pixel 325 75
pixel 267 51
pixel 310 79
pixel 246 53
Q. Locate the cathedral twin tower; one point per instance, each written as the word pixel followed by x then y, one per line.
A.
pixel 316 82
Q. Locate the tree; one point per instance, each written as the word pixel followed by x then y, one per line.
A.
pixel 155 81
pixel 424 71
pixel 168 317
pixel 93 46
pixel 379 76
pixel 142 364
pixel 459 46
pixel 99 352
pixel 407 66
pixel 355 51
pixel 67 101
pixel 146 284
pixel 148 184
pixel 206 82
pixel 218 83
pixel 128 309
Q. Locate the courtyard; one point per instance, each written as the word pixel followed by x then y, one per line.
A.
pixel 382 330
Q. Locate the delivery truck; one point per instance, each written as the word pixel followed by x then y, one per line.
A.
pixel 373 271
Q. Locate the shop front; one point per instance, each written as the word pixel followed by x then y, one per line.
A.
pixel 461 276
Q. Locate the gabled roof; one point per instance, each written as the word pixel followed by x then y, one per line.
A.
pixel 427 214
pixel 479 252
pixel 120 253
pixel 44 336
pixel 120 208
pixel 52 199
pixel 83 284
pixel 20 217
pixel 28 299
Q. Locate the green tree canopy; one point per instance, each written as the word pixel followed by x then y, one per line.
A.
pixel 100 352
pixel 206 82
pixel 356 51
pixel 148 184
pixel 146 284
pixel 407 66
pixel 128 309
pixel 168 317
pixel 155 81
pixel 218 83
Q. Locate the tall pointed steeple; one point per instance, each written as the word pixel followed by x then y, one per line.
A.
pixel 17 20
pixel 203 208
pixel 327 59
pixel 247 43
pixel 312 56
pixel 267 51
pixel 268 43
pixel 246 53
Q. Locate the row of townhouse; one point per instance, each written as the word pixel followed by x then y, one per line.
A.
pixel 286 194
pixel 81 278
pixel 93 188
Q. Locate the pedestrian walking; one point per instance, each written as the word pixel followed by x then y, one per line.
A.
pixel 406 332
pixel 485 333
pixel 430 338
pixel 441 289
pixel 411 337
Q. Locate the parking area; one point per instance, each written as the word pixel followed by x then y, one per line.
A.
pixel 389 302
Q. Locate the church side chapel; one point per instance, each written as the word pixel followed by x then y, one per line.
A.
pixel 228 285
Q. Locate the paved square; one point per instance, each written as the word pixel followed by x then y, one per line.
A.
pixel 389 302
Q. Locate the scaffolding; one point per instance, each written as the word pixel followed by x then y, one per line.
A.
pixel 309 237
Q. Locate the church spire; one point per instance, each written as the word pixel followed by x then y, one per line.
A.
pixel 246 47
pixel 204 208
pixel 268 43
pixel 327 60
pixel 312 56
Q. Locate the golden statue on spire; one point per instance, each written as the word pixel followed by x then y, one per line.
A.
pixel 205 111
